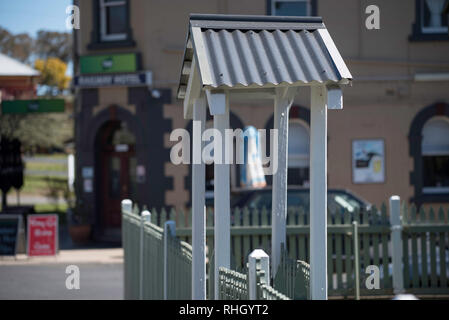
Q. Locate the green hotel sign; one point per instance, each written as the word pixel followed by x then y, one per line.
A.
pixel 30 106
pixel 124 62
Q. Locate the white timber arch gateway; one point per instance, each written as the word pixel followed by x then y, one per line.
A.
pixel 260 57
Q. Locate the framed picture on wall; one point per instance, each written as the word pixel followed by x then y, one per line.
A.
pixel 368 161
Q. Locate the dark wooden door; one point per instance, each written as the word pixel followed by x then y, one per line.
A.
pixel 117 184
pixel 118 170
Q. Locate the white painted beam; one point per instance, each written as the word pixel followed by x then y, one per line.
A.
pixel 318 193
pixel 198 202
pixel 334 97
pixel 222 217
pixel 282 103
pixel 217 102
pixel 193 89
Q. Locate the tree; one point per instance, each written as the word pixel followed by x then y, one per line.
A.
pixel 53 75
pixel 18 46
pixel 53 44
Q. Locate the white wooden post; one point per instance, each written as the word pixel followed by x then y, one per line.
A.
pixel 219 106
pixel 264 265
pixel 318 193
pixel 169 231
pixel 127 205
pixel 70 171
pixel 146 216
pixel 396 242
pixel 198 202
pixel 282 103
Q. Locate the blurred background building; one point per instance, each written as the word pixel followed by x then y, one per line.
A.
pixel 391 138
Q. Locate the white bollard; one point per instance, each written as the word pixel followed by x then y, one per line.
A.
pixel 264 265
pixel 396 244
pixel 169 231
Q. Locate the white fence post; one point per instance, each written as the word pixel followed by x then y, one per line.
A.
pixel 127 205
pixel 396 244
pixel 264 265
pixel 71 171
pixel 145 216
pixel 169 231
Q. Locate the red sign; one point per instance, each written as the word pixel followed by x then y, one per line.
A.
pixel 42 234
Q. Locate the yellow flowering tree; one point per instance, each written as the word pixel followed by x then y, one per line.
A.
pixel 53 74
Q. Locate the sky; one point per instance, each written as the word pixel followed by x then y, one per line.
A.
pixel 32 15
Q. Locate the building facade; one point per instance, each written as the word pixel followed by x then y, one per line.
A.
pixel 392 137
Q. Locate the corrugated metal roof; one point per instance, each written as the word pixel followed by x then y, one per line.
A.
pixel 256 51
pixel 13 67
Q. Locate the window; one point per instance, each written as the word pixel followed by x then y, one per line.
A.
pixel 113 20
pixel 431 22
pixel 435 155
pixel 292 7
pixel 432 18
pixel 298 153
pixel 111 25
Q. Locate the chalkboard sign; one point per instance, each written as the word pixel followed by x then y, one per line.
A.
pixel 9 233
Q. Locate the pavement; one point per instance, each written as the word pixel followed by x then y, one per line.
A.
pixel 42 278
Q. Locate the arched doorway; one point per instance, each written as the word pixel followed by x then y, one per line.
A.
pixel 116 163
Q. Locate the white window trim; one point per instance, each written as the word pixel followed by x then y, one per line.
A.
pixel 273 5
pixel 430 30
pixel 104 35
pixel 435 190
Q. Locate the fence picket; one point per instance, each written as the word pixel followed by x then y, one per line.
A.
pixel 302 247
pixel 339 238
pixel 291 243
pixel 246 245
pixel 432 249
pixel 237 240
pixel 423 236
pixel 415 272
pixel 154 216
pixel 348 252
pixel 265 222
pixel 442 249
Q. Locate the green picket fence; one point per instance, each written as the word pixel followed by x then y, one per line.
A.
pixel 157 264
pixel 425 247
pixel 234 285
pixel 425 242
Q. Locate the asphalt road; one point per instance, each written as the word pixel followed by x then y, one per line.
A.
pixel 48 281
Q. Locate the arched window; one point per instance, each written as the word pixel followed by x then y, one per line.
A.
pixel 435 155
pixel 298 153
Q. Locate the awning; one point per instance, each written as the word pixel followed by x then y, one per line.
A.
pixel 261 51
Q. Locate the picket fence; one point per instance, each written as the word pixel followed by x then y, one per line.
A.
pixel 157 265
pixel 235 286
pixel 424 242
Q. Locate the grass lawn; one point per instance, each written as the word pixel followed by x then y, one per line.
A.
pixel 42 166
pixel 40 185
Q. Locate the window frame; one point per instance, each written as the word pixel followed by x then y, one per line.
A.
pixel 104 36
pixel 415 151
pixel 421 33
pixel 434 189
pixel 312 6
pixel 99 40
